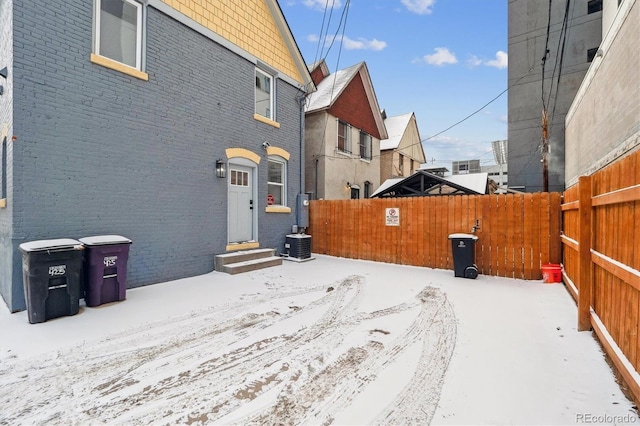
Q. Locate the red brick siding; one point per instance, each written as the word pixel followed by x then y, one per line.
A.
pixel 317 76
pixel 353 107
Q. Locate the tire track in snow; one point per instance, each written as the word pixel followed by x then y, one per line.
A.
pixel 210 366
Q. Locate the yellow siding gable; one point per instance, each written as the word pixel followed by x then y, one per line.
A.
pixel 246 23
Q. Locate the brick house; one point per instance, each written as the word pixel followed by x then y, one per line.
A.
pixel 116 114
pixel 343 129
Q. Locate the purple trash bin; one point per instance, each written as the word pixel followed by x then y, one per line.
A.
pixel 105 268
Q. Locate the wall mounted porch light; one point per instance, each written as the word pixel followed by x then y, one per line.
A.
pixel 221 169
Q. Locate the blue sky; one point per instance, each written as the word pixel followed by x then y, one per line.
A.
pixel 442 59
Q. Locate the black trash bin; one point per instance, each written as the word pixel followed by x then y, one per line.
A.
pixel 52 274
pixel 464 255
pixel 105 268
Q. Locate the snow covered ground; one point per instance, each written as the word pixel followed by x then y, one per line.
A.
pixel 330 341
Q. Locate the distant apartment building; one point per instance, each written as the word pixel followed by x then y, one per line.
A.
pixel 499 173
pixel 465 167
pixel 551 45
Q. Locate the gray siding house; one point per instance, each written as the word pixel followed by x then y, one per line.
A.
pixel 114 115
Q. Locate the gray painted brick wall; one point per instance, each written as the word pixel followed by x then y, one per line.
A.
pixel 100 152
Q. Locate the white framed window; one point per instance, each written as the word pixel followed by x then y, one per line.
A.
pixel 365 146
pixel 277 182
pixel 344 139
pixel 264 94
pixel 118 31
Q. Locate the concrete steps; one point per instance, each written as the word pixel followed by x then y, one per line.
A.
pixel 246 260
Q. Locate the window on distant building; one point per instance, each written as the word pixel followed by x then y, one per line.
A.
pixel 264 94
pixel 365 146
pixel 594 6
pixel 591 53
pixel 118 31
pixel 344 142
pixel 276 181
pixel 367 189
pixel 355 193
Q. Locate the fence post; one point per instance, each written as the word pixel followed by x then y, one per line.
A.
pixel 585 266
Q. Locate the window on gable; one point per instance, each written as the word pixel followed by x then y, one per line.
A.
pixel 118 31
pixel 365 146
pixel 276 181
pixel 401 164
pixel 344 142
pixel 591 54
pixel 264 94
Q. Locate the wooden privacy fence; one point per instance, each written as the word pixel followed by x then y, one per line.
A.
pixel 601 232
pixel 516 233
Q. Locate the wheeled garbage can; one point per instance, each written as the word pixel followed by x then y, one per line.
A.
pixel 52 274
pixel 464 255
pixel 105 266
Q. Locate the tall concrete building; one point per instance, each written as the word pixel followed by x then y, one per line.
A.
pixel 551 45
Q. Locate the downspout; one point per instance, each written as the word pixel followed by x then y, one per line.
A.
pixel 301 100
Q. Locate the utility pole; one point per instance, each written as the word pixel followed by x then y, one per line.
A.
pixel 545 150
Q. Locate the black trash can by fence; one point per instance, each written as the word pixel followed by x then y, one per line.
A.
pixel 105 268
pixel 464 255
pixel 52 275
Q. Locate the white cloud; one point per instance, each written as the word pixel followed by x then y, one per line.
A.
pixel 474 61
pixel 421 7
pixel 350 44
pixel 441 57
pixel 501 61
pixel 323 4
pixel 363 44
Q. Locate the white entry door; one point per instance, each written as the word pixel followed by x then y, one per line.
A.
pixel 241 207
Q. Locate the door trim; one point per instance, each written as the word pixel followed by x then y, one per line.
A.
pixel 253 242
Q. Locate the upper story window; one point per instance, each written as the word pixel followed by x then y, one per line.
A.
pixel 264 94
pixel 277 181
pixel 401 164
pixel 591 54
pixel 118 31
pixel 344 141
pixel 365 146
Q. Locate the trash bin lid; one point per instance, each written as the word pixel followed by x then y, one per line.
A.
pixel 101 240
pixel 463 236
pixel 45 245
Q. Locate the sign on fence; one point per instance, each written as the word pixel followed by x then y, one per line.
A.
pixel 392 217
